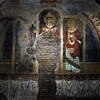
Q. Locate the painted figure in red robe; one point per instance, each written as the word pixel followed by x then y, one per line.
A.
pixel 72 42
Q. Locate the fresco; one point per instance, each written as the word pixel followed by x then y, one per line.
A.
pixel 25 38
pixel 73 41
pixel 56 18
pixel 73 44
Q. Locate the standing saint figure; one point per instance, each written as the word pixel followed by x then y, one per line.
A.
pixel 47 54
pixel 72 42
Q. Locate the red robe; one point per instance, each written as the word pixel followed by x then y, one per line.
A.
pixel 75 46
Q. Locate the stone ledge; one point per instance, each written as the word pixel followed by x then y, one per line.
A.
pixel 58 76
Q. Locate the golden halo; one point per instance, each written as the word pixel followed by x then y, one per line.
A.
pixel 73 22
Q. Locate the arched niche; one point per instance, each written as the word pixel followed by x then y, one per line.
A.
pixel 91 44
pixel 54 13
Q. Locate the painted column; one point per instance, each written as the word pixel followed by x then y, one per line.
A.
pixel 84 45
pixel 13 46
pixel 61 35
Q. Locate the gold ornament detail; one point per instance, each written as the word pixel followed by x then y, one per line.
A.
pixel 25 38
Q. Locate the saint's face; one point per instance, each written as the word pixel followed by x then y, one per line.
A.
pixel 49 23
pixel 72 27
